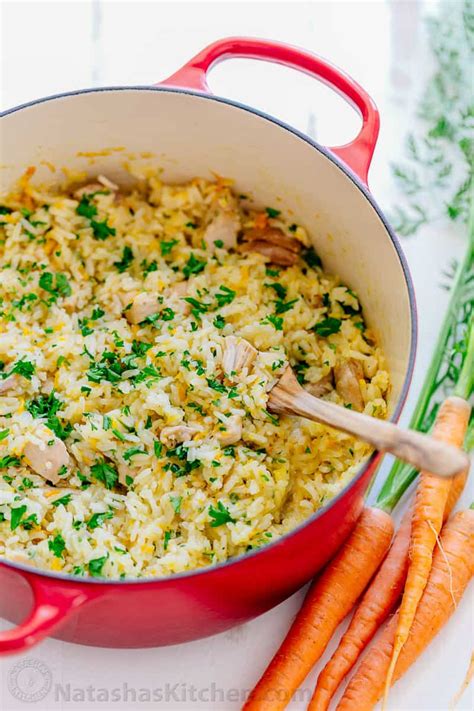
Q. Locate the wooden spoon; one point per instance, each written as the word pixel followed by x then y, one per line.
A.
pixel 289 398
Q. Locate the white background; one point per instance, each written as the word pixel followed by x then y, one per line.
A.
pixel 48 47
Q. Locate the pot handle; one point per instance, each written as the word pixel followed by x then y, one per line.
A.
pixel 358 153
pixel 52 604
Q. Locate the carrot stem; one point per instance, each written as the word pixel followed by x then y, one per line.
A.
pixel 402 475
pixel 465 383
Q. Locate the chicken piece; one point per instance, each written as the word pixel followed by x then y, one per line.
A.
pixel 275 236
pixel 274 244
pixel 7 384
pixel 232 432
pixel 176 294
pixel 171 436
pixel 47 460
pixel 322 387
pixel 347 376
pixel 102 183
pixel 143 306
pixel 276 255
pixel 224 227
pixel 238 354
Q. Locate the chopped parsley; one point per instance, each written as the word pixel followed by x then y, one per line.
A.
pixel 311 258
pixel 129 453
pixel 16 516
pixel 97 313
pixel 220 515
pixel 46 407
pixel 86 208
pixel 299 369
pixel 275 321
pixel 102 230
pixel 166 539
pixel 216 385
pixel 9 461
pixel 219 321
pixel 22 367
pixel 30 521
pixel 271 212
pixel 57 545
pixel 193 266
pixel 55 284
pixel 198 307
pixel 125 262
pixel 327 326
pixel 96 566
pixel 166 247
pixel 149 372
pixel 109 368
pixel 149 267
pixel 224 296
pixel 282 307
pixel 176 503
pixel 140 348
pixel 167 314
pixel 274 420
pixel 105 473
pixel 63 501
pixel 97 519
pixel 279 289
pixel 4 434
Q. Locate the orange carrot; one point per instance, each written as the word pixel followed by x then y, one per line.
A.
pixel 376 605
pixel 453 568
pixel 328 601
pixel 261 220
pixel 430 503
pixel 457 486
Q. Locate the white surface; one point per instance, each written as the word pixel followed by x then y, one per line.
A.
pixel 51 47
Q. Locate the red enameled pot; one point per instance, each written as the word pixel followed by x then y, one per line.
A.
pixel 192 132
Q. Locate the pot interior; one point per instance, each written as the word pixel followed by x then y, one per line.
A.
pixel 189 135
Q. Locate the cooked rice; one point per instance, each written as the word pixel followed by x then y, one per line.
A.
pixel 201 502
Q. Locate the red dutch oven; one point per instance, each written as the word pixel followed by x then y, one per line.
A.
pixel 192 132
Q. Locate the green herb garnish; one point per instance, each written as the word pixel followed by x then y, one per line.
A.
pixel 105 473
pixel 57 545
pixel 311 258
pixel 16 516
pixel 125 262
pixel 193 266
pixel 97 519
pixel 327 326
pixel 96 565
pixel 220 515
pixel 271 212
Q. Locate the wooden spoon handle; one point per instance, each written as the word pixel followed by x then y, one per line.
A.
pixel 422 451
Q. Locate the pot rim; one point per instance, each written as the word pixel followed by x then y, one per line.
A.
pixel 371 461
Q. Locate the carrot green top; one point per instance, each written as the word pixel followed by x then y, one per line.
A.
pixel 451 371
